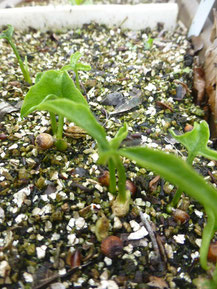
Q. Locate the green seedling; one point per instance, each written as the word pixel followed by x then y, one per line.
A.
pixel 7 35
pixel 170 167
pixel 149 43
pixel 195 142
pixel 81 2
pixel 76 66
pixel 108 151
pixel 52 85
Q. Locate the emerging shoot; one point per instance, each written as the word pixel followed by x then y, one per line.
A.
pixel 76 66
pixel 195 141
pixel 7 35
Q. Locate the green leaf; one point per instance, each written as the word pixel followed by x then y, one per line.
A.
pixel 76 2
pixel 81 115
pixel 66 68
pixel 176 171
pixel 75 65
pixel 38 76
pixel 8 33
pixel 82 66
pixel 51 82
pixel 181 174
pixel 196 141
pixel 119 137
pixel 149 43
pixel 74 59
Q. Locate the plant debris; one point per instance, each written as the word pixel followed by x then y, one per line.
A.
pixel 211 77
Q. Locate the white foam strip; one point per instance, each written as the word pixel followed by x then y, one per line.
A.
pixel 128 16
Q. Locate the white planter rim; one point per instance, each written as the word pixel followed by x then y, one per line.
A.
pixel 133 17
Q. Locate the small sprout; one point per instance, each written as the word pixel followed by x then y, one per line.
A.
pixel 7 35
pixel 76 2
pixel 196 142
pixel 44 141
pixel 80 2
pixel 180 216
pixel 112 246
pixel 149 43
pixel 102 228
pixel 76 66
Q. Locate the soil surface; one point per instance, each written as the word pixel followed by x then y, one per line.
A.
pixel 51 200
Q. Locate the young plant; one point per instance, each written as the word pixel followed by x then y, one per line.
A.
pixel 52 85
pixel 149 43
pixel 195 141
pixel 170 167
pixel 76 66
pixel 7 34
pixel 108 151
pixel 80 2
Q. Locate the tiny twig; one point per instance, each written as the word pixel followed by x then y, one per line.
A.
pixel 161 187
pixel 157 244
pixel 212 177
pixel 151 233
pixel 56 276
pixel 124 20
pixel 81 187
pixel 162 249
